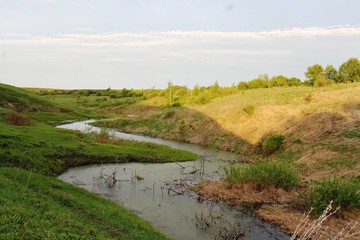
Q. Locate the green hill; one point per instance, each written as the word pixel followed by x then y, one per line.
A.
pixel 34 205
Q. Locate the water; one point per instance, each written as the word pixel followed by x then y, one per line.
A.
pixel 150 198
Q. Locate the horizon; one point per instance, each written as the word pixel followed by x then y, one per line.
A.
pixel 145 44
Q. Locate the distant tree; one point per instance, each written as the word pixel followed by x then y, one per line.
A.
pixel 242 86
pixel 330 72
pixel 196 90
pixel 279 81
pixel 349 71
pixel 293 81
pixel 313 72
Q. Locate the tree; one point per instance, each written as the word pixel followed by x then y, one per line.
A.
pixel 330 72
pixel 293 81
pixel 279 81
pixel 313 72
pixel 349 71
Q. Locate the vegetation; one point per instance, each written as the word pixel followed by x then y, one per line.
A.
pixel 264 174
pixel 345 193
pixel 33 204
pixel 316 121
pixel 272 143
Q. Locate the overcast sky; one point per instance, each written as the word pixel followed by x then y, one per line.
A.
pixel 146 43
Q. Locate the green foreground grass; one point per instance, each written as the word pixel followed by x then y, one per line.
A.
pixel 36 205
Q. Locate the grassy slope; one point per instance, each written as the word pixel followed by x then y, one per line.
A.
pixel 320 123
pixel 38 206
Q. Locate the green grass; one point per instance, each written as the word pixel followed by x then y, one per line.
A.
pixel 48 150
pixel 33 203
pixel 37 207
pixel 344 193
pixel 280 175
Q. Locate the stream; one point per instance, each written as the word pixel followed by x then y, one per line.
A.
pixel 151 190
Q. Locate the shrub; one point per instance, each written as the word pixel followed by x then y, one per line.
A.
pixel 249 109
pixel 343 192
pixel 113 95
pixel 18 119
pixel 272 143
pixel 280 175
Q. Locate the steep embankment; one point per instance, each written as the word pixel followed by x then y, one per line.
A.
pixel 35 206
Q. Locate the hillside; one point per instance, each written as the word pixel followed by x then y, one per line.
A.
pixel 319 122
pixel 35 205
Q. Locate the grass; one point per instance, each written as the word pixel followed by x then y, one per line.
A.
pixel 280 175
pixel 48 150
pixel 33 203
pixel 37 207
pixel 344 193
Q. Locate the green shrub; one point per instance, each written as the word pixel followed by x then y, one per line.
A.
pixel 280 175
pixel 249 109
pixel 343 192
pixel 272 143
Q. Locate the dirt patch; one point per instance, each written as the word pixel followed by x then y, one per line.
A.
pixel 289 218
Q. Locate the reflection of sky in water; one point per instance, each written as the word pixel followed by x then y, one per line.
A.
pixel 170 213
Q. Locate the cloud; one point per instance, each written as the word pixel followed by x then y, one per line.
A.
pixel 147 59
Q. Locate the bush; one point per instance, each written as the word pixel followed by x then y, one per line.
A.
pixel 18 119
pixel 280 175
pixel 249 109
pixel 113 95
pixel 272 143
pixel 343 192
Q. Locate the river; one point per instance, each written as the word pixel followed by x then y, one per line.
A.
pixel 144 189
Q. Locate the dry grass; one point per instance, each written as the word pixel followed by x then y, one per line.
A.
pixel 289 218
pixel 246 193
pixel 278 109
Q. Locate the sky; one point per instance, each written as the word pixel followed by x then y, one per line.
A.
pixel 96 44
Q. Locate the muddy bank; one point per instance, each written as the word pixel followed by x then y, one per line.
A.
pixel 277 206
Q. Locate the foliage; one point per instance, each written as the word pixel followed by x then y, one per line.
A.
pixel 344 193
pixel 313 72
pixel 272 143
pixel 322 81
pixel 279 174
pixel 249 109
pixel 350 71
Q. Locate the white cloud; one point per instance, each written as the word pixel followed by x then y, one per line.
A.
pixel 187 57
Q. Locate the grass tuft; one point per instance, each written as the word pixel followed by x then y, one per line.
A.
pixel 281 175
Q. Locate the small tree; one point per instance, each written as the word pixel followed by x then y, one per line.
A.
pixel 349 71
pixel 313 72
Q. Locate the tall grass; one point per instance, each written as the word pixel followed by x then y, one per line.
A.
pixel 343 192
pixel 280 175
